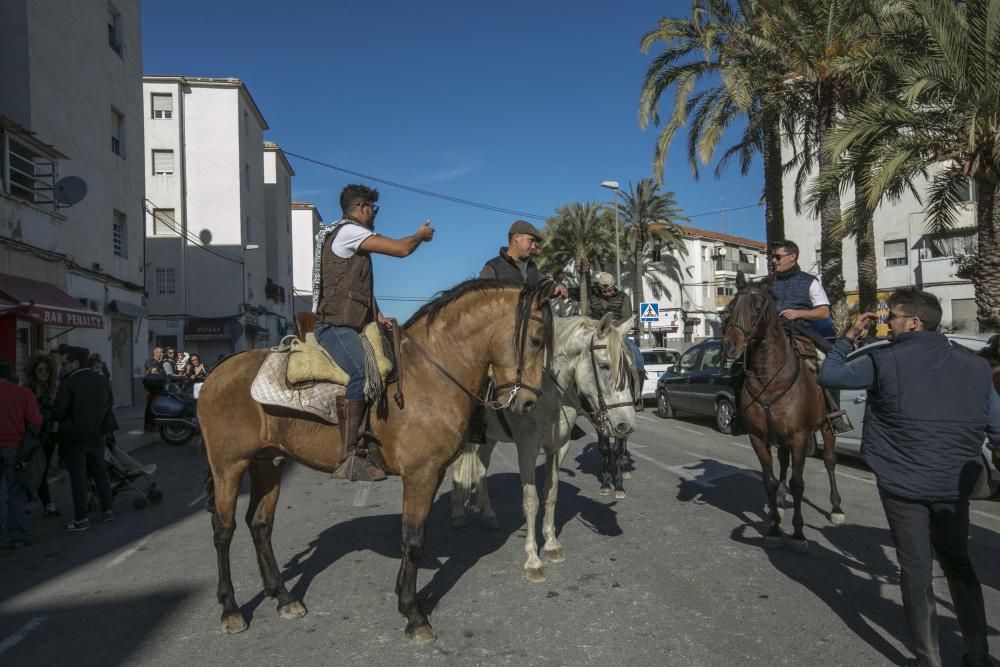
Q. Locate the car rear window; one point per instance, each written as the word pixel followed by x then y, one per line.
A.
pixel 660 357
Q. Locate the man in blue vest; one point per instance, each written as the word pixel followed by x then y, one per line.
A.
pixel 929 407
pixel 799 296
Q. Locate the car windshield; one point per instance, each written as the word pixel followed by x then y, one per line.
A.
pixel 712 358
pixel 658 357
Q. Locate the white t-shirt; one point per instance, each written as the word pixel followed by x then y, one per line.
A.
pixel 349 239
pixel 817 295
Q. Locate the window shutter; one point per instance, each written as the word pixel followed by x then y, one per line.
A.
pixel 163 103
pixel 163 162
pixel 895 249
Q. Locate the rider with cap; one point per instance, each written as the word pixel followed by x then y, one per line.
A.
pixel 605 297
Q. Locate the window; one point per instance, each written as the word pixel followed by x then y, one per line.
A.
pixel 712 357
pixel 689 360
pixel 114 29
pixel 725 291
pixel 166 282
pixel 163 162
pixel 895 253
pixel 26 172
pixel 117 133
pixel 163 106
pixel 964 190
pixel 164 222
pixel 119 235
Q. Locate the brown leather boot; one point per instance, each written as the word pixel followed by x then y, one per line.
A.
pixel 354 464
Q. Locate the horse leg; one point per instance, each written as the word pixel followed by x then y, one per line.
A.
pixel 774 536
pixel 619 467
pixel 782 478
pixel 486 513
pixel 527 454
pixel 604 448
pixel 628 463
pixel 552 551
pixel 837 516
pixel 797 487
pixel 265 485
pixel 419 490
pixel 227 489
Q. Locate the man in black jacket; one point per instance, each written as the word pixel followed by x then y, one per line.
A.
pixel 514 264
pixel 929 407
pixel 83 410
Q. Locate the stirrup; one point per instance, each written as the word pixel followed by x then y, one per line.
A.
pixel 358 468
pixel 839 422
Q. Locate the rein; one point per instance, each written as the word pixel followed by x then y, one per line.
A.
pixel 597 417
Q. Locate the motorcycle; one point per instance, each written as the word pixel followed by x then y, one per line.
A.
pixel 174 411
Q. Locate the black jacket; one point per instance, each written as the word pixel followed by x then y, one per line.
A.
pixel 502 267
pixel 83 408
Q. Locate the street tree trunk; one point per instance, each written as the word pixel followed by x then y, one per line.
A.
pixel 867 266
pixel 774 208
pixel 637 297
pixel 986 278
pixel 831 240
pixel 584 287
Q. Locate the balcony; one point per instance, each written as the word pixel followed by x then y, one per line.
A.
pixel 934 270
pixel 732 266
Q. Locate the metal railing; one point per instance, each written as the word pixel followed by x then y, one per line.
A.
pixel 29 176
pixel 734 266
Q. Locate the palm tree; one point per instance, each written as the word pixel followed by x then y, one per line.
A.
pixel 945 121
pixel 650 221
pixel 578 236
pixel 721 51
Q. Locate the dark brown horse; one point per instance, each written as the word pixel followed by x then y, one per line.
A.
pixel 781 404
pixel 448 346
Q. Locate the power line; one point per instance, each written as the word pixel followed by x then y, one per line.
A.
pixel 174 225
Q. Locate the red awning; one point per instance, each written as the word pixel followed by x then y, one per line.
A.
pixel 46 303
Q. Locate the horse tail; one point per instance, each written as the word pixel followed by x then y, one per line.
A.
pixel 464 472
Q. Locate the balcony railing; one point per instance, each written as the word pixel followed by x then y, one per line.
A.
pixel 29 176
pixel 734 266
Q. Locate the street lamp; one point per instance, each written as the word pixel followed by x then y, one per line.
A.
pixel 613 185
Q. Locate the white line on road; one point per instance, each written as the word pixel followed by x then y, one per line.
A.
pixel 689 430
pixel 21 633
pixel 361 495
pixel 130 552
pixel 197 500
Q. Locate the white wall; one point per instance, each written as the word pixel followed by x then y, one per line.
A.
pixel 305 225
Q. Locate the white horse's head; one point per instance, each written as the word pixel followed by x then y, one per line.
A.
pixel 592 357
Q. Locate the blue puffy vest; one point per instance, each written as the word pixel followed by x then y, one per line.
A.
pixel 926 419
pixel 792 291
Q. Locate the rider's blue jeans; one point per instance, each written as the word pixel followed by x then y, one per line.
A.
pixel 344 345
pixel 636 354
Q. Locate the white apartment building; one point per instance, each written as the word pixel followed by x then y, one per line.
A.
pixel 278 288
pixel 70 113
pixel 306 221
pixel 700 285
pixel 906 252
pixel 208 215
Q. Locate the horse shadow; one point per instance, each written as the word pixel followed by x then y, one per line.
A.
pixel 448 552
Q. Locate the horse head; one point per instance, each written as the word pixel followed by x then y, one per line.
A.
pixel 519 362
pixel 750 312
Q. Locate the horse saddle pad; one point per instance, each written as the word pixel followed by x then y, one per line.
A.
pixel 310 362
pixel 271 387
pixel 805 347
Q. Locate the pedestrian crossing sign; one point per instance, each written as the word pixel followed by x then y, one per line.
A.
pixel 649 312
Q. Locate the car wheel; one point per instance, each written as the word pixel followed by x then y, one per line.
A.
pixel 725 416
pixel 175 435
pixel 663 407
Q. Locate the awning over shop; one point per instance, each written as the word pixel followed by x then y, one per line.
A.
pixel 212 329
pixel 119 307
pixel 45 303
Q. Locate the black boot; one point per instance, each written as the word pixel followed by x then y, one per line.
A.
pixel 354 461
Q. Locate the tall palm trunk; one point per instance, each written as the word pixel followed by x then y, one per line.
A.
pixel 584 286
pixel 831 238
pixel 774 208
pixel 986 278
pixel 867 265
pixel 637 277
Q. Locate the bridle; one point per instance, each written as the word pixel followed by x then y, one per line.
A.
pixel 599 416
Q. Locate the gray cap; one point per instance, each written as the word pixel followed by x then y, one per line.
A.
pixel 605 279
pixel 524 227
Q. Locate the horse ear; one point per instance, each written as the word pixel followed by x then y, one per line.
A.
pixel 605 326
pixel 741 280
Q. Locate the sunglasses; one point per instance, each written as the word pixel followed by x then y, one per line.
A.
pixel 373 207
pixel 892 316
pixel 778 258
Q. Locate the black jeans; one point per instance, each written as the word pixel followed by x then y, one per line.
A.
pixel 79 460
pixel 916 527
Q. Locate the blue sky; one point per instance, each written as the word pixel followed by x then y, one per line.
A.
pixel 521 105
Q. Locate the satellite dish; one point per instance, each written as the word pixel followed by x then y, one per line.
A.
pixel 70 190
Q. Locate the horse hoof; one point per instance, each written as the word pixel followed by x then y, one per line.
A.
pixel 554 555
pixel 458 521
pixel 620 495
pixel 838 518
pixel 605 491
pixel 626 475
pixel 799 545
pixel 293 609
pixel 421 635
pixel 535 575
pixel 491 522
pixel 233 624
pixel 774 541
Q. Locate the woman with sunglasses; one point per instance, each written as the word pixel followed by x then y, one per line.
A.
pixel 41 378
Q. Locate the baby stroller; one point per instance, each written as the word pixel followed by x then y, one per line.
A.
pixel 128 474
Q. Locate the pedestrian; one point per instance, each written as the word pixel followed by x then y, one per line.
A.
pixel 182 362
pixel 95 363
pixel 344 303
pixel 196 373
pixel 928 408
pixel 153 366
pixel 41 378
pixel 168 363
pixel 84 411
pixel 18 412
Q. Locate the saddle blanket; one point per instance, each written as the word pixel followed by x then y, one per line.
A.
pixel 271 387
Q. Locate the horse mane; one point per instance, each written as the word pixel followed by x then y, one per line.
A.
pixel 619 356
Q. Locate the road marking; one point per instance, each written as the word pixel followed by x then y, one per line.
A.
pixel 986 514
pixel 689 430
pixel 121 558
pixel 198 500
pixel 20 634
pixel 361 495
pixel 648 418
pixel 700 477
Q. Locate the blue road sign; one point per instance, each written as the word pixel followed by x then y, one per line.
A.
pixel 649 312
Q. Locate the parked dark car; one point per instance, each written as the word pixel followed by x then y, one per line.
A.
pixel 702 382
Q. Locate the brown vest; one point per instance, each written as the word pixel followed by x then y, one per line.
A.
pixel 346 298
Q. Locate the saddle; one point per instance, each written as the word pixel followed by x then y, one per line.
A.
pixel 300 374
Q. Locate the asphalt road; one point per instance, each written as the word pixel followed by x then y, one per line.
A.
pixel 675 574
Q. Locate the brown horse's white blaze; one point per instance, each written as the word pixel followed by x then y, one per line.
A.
pixel 463 332
pixel 781 404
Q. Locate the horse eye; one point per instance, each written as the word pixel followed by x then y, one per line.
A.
pixel 536 341
pixel 604 366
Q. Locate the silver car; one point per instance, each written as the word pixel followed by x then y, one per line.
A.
pixel 853 401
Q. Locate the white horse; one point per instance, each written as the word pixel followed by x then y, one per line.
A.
pixel 590 362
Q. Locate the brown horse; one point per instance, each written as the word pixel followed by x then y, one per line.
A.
pixel 781 404
pixel 448 346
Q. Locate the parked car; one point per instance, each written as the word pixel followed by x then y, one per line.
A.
pixel 657 361
pixel 854 400
pixel 702 382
